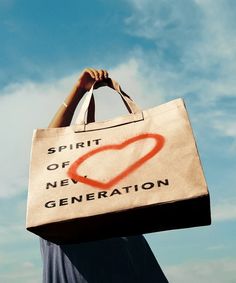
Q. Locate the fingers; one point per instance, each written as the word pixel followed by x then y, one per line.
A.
pixel 97 75
pixel 91 72
pixel 103 74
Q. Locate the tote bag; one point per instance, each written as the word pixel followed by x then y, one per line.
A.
pixel 134 174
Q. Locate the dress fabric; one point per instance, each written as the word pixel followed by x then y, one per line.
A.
pixel 116 260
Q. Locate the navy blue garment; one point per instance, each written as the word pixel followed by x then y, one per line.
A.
pixel 116 260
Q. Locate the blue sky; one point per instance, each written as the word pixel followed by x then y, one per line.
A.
pixel 158 50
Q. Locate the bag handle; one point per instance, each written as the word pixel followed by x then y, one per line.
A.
pixel 88 106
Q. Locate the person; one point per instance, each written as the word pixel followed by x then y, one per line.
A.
pixel 115 260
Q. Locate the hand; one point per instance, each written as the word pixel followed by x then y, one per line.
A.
pixel 89 76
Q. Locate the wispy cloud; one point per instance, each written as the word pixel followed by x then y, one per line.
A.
pixel 224 210
pixel 197 38
pixel 26 272
pixel 211 271
pixel 23 107
pixel 195 52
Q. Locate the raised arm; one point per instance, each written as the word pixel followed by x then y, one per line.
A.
pixel 65 112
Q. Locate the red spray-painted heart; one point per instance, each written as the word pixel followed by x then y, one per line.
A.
pixel 72 172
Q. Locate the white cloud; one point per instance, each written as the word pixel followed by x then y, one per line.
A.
pixel 228 127
pixel 197 36
pixel 24 107
pixel 224 210
pixel 216 248
pixel 212 271
pixel 25 272
pixel 195 53
pixel 162 20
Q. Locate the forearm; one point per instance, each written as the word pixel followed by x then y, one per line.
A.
pixel 65 113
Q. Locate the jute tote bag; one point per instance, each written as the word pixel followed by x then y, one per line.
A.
pixel 134 174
